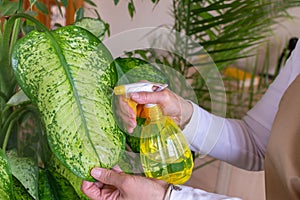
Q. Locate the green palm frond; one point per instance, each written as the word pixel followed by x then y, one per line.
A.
pixel 228 28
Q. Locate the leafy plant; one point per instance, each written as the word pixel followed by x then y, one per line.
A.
pixel 214 24
pixel 131 6
pixel 29 169
pixel 67 75
pixel 32 172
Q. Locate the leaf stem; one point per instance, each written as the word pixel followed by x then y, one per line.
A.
pixel 7 135
pixel 8 82
pixel 6 125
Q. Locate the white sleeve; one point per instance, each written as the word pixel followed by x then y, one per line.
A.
pixel 189 193
pixel 242 142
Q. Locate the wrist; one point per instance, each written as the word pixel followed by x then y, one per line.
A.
pixel 169 190
pixel 187 113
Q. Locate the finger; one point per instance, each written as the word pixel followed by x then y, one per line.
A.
pixel 110 193
pixel 126 109
pixel 130 127
pixel 117 169
pixel 126 123
pixel 149 97
pixel 98 184
pixel 107 176
pixel 125 116
pixel 90 189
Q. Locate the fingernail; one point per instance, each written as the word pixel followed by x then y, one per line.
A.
pixel 96 172
pixel 133 123
pixel 135 96
pixel 129 129
pixel 131 126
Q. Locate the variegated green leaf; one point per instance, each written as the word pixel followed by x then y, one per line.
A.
pixel 18 98
pixel 67 74
pixel 75 181
pixel 5 178
pixel 25 170
pixel 45 187
pixel 95 26
pixel 20 192
pixel 53 186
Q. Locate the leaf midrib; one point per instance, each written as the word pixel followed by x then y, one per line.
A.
pixel 66 68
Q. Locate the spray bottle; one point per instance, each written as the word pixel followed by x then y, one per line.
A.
pixel 164 151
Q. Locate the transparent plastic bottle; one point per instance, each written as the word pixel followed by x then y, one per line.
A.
pixel 164 152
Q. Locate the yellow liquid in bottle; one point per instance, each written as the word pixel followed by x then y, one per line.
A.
pixel 164 151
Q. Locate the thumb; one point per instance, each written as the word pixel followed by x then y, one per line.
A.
pixel 107 176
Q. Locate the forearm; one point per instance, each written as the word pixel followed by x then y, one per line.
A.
pixel 242 142
pixel 238 142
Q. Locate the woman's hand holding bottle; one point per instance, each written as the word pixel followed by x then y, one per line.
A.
pixel 172 105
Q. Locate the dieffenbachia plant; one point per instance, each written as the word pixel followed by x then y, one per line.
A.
pixel 67 74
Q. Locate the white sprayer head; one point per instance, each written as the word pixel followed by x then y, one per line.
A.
pixel 139 87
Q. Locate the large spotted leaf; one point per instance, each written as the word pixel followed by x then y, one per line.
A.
pixel 54 165
pixel 53 186
pixel 6 191
pixel 67 75
pixel 25 170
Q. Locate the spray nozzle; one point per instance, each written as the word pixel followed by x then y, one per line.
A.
pixel 127 89
pixel 138 87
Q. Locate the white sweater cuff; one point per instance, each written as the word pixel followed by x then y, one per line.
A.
pixel 189 193
pixel 197 128
pixel 190 129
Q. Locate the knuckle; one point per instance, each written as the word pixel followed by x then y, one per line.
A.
pixel 166 95
pixel 126 180
pixel 105 176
